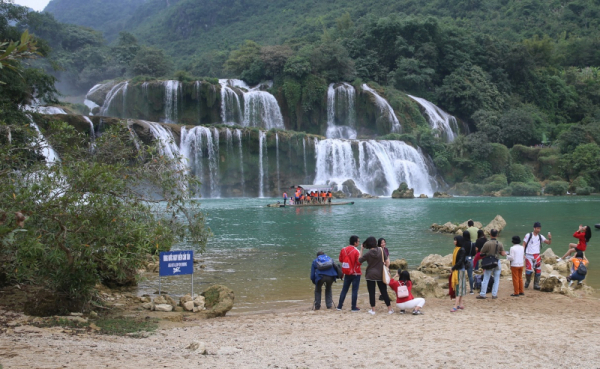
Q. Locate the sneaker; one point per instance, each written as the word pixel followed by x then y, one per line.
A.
pixel 521 294
pixel 402 311
pixel 481 297
pixel 559 260
pixel 514 294
pixel 371 312
pixel 355 310
pixel 391 311
pixel 494 297
pixel 417 312
pixel 472 293
pixel 338 308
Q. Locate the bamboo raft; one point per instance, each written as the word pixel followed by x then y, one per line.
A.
pixel 279 205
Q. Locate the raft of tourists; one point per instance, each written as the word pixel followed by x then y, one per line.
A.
pixel 309 195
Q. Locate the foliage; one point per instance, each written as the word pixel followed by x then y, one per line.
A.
pixel 557 188
pixel 525 189
pixel 519 173
pixel 151 62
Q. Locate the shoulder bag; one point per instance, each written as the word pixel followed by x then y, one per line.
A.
pixel 490 261
pixel 385 275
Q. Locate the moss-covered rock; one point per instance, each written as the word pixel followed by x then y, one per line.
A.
pixel 218 300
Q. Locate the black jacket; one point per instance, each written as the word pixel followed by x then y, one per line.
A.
pixel 460 260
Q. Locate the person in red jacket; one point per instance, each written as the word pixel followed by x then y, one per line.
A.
pixel 583 234
pixel 407 302
pixel 351 268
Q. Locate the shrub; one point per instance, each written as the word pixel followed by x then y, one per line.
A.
pixel 495 183
pixel 520 173
pixel 525 189
pixel 579 182
pixel 584 191
pixel 557 188
pixel 467 189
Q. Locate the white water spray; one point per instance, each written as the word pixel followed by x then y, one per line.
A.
pixel 385 109
pixel 439 120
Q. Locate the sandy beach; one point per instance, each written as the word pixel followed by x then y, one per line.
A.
pixel 539 329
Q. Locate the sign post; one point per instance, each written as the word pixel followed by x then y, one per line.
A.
pixel 176 263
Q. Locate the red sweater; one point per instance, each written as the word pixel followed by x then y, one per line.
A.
pixel 351 254
pixel 582 245
pixel 394 284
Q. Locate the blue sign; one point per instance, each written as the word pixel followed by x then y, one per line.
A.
pixel 176 263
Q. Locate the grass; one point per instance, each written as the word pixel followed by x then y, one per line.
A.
pixel 109 326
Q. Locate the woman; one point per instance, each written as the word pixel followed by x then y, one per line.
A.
pixel 469 253
pixel 481 240
pixel 575 275
pixel 408 302
pixel 375 258
pixel 583 234
pixel 459 274
pixel 381 243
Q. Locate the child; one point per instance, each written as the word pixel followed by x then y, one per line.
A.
pixel 516 257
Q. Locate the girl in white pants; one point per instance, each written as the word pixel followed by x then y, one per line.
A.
pixel 408 301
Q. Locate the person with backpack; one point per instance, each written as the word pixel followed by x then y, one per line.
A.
pixel 404 297
pixel 481 240
pixel 516 256
pixel 490 263
pixel 532 242
pixel 376 260
pixel 351 268
pixel 469 254
pixel 323 272
pixel 578 268
pixel 583 234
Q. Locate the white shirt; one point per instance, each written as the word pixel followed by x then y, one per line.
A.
pixel 534 245
pixel 516 255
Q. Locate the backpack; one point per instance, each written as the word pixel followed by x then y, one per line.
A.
pixel 338 269
pixel 581 269
pixel 324 262
pixel 530 237
pixel 346 267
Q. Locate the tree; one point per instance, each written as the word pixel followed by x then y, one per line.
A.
pixel 151 62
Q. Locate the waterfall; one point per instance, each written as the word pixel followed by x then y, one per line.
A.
pixel 381 166
pixel 114 91
pixel 439 120
pixel 92 132
pixel 229 142
pixel 277 158
pixel 262 110
pixel 194 143
pixel 238 135
pixel 47 150
pixel 304 151
pixel 385 109
pixel 50 110
pixel 172 93
pixel 197 85
pixel 262 142
pixel 340 108
pixel 231 108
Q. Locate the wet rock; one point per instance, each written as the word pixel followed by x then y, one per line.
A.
pixel 423 196
pixel 218 300
pixel 338 195
pixel 403 192
pixel 349 188
pixel 549 257
pixel 367 196
pixel 163 307
pixel 441 195
pixel 497 223
pixel 398 264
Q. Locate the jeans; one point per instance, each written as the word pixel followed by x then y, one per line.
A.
pixel 469 268
pixel 382 288
pixel 328 281
pixel 576 276
pixel 486 278
pixel 355 281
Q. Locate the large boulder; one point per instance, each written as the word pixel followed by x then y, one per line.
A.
pixel 398 264
pixel 403 192
pixel 349 188
pixel 562 266
pixel 218 300
pixel 338 195
pixel 549 257
pixel 441 195
pixel 426 286
pixel 497 223
pixel 556 284
pixel 436 264
pixel 505 265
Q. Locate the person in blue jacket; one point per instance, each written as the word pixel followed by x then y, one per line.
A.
pixel 322 272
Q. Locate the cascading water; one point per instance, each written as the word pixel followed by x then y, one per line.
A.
pixel 439 120
pixel 385 109
pixel 381 166
pixel 197 86
pixel 195 142
pixel 277 158
pixel 262 110
pixel 231 107
pixel 238 135
pixel 47 150
pixel 114 91
pixel 92 132
pixel 340 108
pixel 172 93
pixel 304 154
pixel 262 142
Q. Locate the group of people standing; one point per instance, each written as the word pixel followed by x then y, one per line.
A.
pixel 521 256
pixel 472 250
pixel 310 197
pixel 376 254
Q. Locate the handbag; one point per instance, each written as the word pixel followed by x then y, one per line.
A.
pixel 490 261
pixel 402 291
pixel 385 275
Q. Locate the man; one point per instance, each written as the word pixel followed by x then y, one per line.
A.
pixel 472 230
pixel 492 247
pixel 351 268
pixel 533 260
pixel 284 198
pixel 322 272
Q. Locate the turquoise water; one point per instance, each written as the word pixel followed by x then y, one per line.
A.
pixel 264 254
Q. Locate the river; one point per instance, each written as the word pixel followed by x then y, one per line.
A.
pixel 264 254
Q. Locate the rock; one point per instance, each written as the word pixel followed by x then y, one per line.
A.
pixel 199 302
pixel 505 265
pixel 178 309
pixel 426 286
pixel 160 300
pixel 562 266
pixel 497 223
pixel 349 188
pixel 398 264
pixel 98 95
pixel 441 195
pixel 145 299
pixel 76 319
pixel 152 267
pixel 546 268
pixel 218 300
pixel 185 299
pixel 76 314
pixel 403 192
pixel 188 305
pixel 148 305
pixel 423 196
pixel 549 257
pixel 338 195
pixel 436 264
pixel 367 196
pixel 93 315
pixel 556 284
pixel 197 347
pixel 163 307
